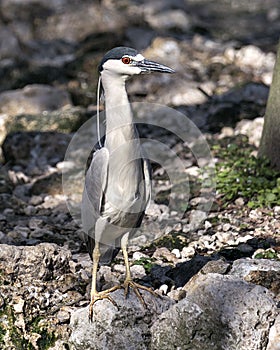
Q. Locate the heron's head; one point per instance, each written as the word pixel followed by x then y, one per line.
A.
pixel 125 61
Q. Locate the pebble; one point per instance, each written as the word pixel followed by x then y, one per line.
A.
pixel 139 255
pixel 177 294
pixel 2 235
pixel 226 227
pixel 223 237
pixel 29 210
pixel 164 254
pixel 245 248
pixel 8 211
pixel 118 268
pixel 63 316
pixel 276 209
pixel 39 233
pixel 24 231
pixel 2 217
pixel 163 289
pixel 176 252
pixel 35 223
pixel 35 200
pixel 244 239
pixel 207 224
pixel 187 252
pixel 255 214
pixel 14 235
pixel 196 217
pixel 239 202
pixel 18 307
pixel 137 271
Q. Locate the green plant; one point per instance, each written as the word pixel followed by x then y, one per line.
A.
pixel 241 174
pixel 147 263
pixel 267 254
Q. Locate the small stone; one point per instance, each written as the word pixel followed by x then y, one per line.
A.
pixel 164 254
pixel 39 233
pixel 119 268
pixel 8 211
pixel 24 231
pixel 176 252
pixel 196 217
pixel 14 235
pixel 188 252
pixel 226 227
pixel 245 248
pixel 255 214
pixel 29 210
pixel 63 316
pixel 2 217
pixel 227 132
pixel 163 288
pixel 207 224
pixel 215 266
pixel 139 255
pixel 35 223
pixel 137 271
pixel 36 200
pixel 18 307
pixel 239 202
pixel 244 239
pixel 84 276
pixel 277 209
pixel 177 294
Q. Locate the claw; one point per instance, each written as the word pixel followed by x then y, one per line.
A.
pixel 105 294
pixel 136 286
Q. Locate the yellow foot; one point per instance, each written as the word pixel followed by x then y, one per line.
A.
pixel 136 286
pixel 104 294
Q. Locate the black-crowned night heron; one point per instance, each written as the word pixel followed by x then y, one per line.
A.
pixel 118 182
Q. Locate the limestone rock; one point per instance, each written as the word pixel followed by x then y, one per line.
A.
pixel 219 312
pixel 33 99
pixel 274 336
pixel 23 262
pixel 243 267
pixel 112 328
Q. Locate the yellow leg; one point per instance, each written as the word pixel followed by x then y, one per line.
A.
pixel 128 282
pixel 95 295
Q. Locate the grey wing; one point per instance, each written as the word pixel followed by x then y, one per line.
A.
pixel 147 177
pixel 147 170
pixel 95 183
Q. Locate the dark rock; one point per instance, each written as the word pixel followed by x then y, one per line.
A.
pixel 50 184
pixel 35 151
pixel 183 272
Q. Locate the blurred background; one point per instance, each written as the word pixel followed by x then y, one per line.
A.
pixel 223 52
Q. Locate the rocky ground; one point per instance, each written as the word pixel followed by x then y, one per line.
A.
pixel 193 244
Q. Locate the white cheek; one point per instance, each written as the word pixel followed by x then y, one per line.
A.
pixel 138 58
pixel 117 66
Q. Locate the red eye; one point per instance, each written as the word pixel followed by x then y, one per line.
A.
pixel 126 60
